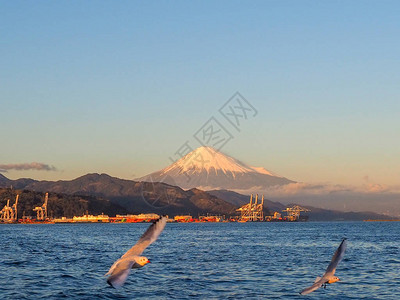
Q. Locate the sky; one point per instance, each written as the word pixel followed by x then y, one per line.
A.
pixel 118 87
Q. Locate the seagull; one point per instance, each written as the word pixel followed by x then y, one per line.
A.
pixel 119 271
pixel 328 277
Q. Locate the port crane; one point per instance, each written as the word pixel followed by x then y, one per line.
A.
pixel 293 213
pixel 252 211
pixel 10 213
pixel 14 210
pixel 5 212
pixel 41 211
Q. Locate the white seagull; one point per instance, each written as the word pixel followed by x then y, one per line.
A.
pixel 328 277
pixel 119 271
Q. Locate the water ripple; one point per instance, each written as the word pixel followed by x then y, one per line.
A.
pixel 201 261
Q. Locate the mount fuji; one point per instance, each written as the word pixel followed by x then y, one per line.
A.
pixel 208 169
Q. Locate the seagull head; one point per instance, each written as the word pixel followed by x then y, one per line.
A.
pixel 141 260
pixel 333 279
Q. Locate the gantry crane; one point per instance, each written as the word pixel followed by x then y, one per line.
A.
pixel 42 210
pixel 252 211
pixel 10 213
pixel 293 213
pixel 14 210
pixel 5 212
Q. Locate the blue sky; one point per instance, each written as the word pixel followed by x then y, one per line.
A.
pixel 118 86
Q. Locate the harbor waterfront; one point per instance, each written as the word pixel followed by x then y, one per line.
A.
pixel 251 212
pixel 146 218
pixel 255 260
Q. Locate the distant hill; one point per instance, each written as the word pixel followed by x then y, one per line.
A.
pixel 59 205
pixel 102 193
pixel 135 197
pixel 4 181
pixel 315 214
pixel 240 200
pixel 319 214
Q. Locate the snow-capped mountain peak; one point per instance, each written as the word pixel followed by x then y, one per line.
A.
pixel 210 160
pixel 264 171
pixel 207 168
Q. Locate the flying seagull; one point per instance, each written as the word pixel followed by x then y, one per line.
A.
pixel 328 277
pixel 119 271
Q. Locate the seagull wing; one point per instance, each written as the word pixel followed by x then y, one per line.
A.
pixel 147 238
pixel 330 271
pixel 337 257
pixel 312 288
pixel 119 272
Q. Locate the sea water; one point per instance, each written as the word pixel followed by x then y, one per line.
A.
pixel 201 261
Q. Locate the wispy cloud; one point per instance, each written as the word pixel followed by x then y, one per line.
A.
pixel 372 187
pixel 27 166
pixel 321 189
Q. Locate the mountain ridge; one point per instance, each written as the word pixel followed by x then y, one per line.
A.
pixel 161 198
pixel 135 197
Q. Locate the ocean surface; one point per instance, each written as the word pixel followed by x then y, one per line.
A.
pixel 201 261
